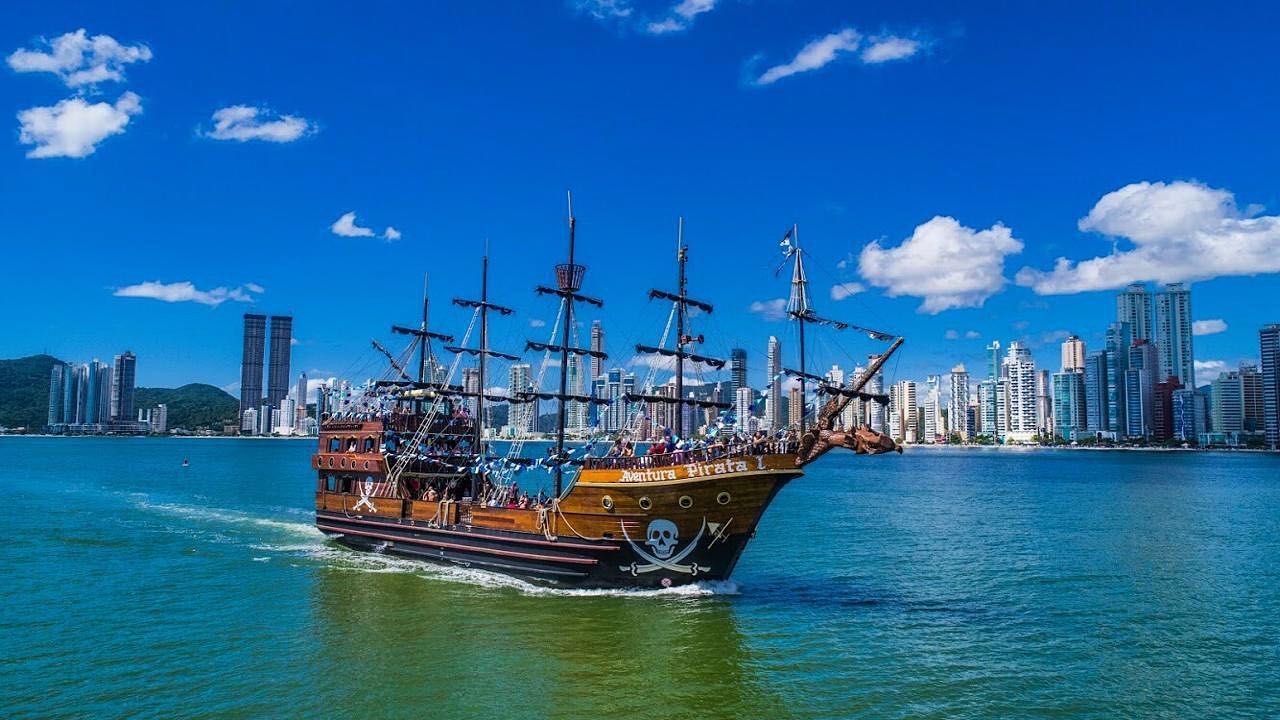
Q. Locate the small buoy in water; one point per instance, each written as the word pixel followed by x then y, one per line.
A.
pixel 186 462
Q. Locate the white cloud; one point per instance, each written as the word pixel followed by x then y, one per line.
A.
pixel 243 123
pixel 346 227
pixel 814 55
pixel 1176 232
pixel 775 309
pixel 972 335
pixel 1207 371
pixel 840 291
pixel 73 128
pixel 186 292
pixel 952 334
pixel 314 385
pixel 79 59
pixel 605 9
pixel 254 288
pixel 890 48
pixel 536 323
pixel 1208 327
pixel 390 234
pixel 943 262
pixel 681 16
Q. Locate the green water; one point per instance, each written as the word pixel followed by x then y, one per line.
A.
pixel 947 584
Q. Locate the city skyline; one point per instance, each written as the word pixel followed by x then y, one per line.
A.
pixel 183 208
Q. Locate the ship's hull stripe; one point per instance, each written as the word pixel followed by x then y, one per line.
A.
pixel 463 548
pixel 499 538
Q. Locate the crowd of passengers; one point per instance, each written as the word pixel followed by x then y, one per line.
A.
pixel 669 450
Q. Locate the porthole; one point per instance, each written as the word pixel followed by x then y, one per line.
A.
pixel 366 464
pixel 645 503
pixel 330 462
pixel 723 498
pixel 686 502
pixel 342 463
pixel 607 502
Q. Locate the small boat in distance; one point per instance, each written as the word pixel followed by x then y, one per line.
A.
pixel 186 462
pixel 404 465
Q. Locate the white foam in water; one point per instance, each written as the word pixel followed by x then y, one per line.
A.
pixel 314 546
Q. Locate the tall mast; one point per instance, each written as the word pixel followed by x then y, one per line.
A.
pixel 564 351
pixel 681 257
pixel 799 310
pixel 484 348
pixel 422 339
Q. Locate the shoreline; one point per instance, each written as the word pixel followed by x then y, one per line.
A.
pixel 1092 448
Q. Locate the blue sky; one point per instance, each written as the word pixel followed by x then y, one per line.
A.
pixel 940 157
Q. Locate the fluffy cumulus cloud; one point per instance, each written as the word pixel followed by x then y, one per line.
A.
pixel 1208 327
pixel 680 17
pixel 605 10
pixel 943 262
pixel 243 123
pixel 1208 370
pixel 390 234
pixel 74 127
pixel 775 309
pixel 346 227
pixel 1165 232
pixel 80 60
pixel 843 43
pixel 840 291
pixel 972 334
pixel 890 48
pixel 187 292
pixel 536 323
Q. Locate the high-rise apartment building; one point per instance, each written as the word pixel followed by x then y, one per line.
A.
pixel 1133 306
pixel 737 370
pixel 934 426
pixel 1144 364
pixel 1269 345
pixel 742 399
pixel 56 382
pixel 1251 390
pixel 123 376
pixel 1069 404
pixel 522 417
pixel 957 409
pixel 876 413
pixel 1227 402
pixel 1173 334
pixel 471 384
pixel 773 398
pixel 1073 354
pixel 854 414
pixel 1021 403
pixel 1097 417
pixel 993 360
pixel 255 344
pixel 597 345
pixel 1118 340
pixel 795 407
pixel 279 354
pixel 1189 416
pixel 1044 403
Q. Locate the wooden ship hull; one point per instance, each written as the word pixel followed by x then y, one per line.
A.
pixel 644 522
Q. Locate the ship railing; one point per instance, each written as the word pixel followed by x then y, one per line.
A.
pixel 686 457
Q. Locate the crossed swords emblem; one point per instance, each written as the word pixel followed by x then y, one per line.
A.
pixel 672 563
pixel 365 491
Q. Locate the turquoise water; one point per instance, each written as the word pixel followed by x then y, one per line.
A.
pixel 947 584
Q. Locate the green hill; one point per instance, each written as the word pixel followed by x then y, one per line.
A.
pixel 24 391
pixel 24 398
pixel 192 406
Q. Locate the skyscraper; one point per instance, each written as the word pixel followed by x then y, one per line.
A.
pixel 597 345
pixel 855 413
pixel 300 396
pixel 1020 369
pixel 773 401
pixel 957 410
pixel 522 417
pixel 1188 414
pixel 471 384
pixel 1097 419
pixel 278 361
pixel 1133 306
pixel 875 386
pixel 1118 340
pixel 1251 386
pixel 1269 344
pixel 737 370
pixel 56 384
pixel 123 375
pixel 742 399
pixel 934 425
pixel 993 360
pixel 795 407
pixel 255 342
pixel 1144 363
pixel 1073 354
pixel 1173 334
pixel 1044 403
pixel 1228 402
pixel 1068 404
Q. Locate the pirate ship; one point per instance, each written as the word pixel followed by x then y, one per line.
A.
pixel 405 466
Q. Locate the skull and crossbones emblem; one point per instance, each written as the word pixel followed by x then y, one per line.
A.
pixel 661 537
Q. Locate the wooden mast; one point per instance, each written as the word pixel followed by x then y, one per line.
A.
pixel 484 350
pixel 564 355
pixel 681 287
pixel 801 297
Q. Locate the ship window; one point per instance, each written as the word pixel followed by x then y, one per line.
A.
pixel 351 444
pixel 335 444
pixel 331 482
pixel 348 482
pixel 369 444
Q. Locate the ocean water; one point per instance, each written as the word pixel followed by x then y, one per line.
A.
pixel 937 584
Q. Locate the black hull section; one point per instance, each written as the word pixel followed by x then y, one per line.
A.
pixel 563 562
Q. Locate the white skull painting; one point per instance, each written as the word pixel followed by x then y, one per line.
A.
pixel 662 537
